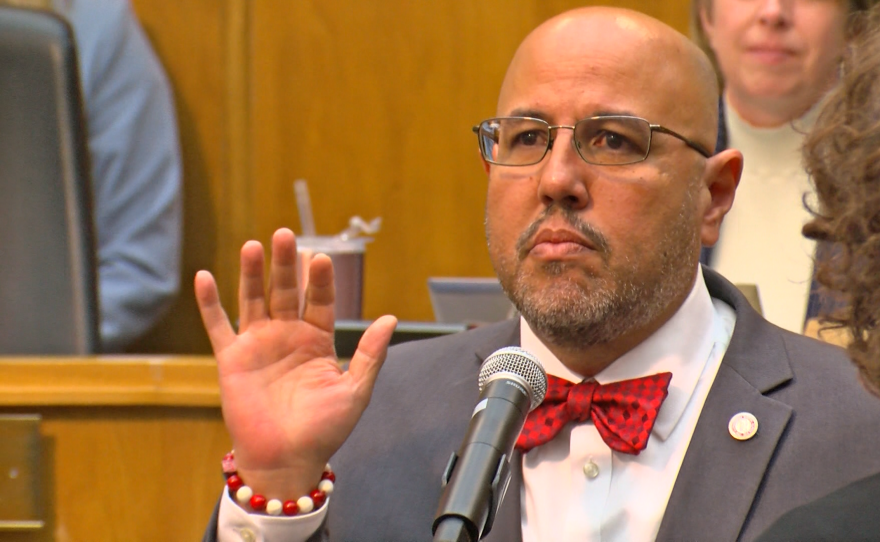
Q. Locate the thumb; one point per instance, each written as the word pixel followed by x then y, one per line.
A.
pixel 370 354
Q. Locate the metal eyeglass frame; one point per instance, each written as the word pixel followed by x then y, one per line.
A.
pixel 653 128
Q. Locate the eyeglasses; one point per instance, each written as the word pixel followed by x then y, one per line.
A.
pixel 606 141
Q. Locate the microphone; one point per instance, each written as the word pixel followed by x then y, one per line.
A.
pixel 512 383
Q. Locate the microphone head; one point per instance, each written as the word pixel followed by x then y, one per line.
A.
pixel 514 362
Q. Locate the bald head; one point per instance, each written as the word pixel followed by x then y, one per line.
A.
pixel 596 253
pixel 594 45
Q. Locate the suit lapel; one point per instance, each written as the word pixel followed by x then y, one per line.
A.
pixel 720 476
pixel 718 468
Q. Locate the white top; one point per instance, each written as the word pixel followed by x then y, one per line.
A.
pixel 627 498
pixel 575 487
pixel 761 241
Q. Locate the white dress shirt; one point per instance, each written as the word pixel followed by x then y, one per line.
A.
pixel 575 487
pixel 627 498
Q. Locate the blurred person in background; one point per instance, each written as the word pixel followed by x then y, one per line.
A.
pixel 776 60
pixel 842 155
pixel 135 163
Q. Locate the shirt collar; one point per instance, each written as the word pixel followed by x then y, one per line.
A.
pixel 681 346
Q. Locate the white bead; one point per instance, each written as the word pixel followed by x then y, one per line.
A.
pixel 325 486
pixel 273 507
pixel 243 495
pixel 305 504
pixel 327 468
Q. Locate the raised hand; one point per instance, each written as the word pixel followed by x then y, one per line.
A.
pixel 286 403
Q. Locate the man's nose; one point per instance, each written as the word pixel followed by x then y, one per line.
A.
pixel 561 178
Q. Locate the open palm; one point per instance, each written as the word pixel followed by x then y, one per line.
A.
pixel 287 404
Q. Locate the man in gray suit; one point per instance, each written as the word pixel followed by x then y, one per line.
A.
pixel 602 187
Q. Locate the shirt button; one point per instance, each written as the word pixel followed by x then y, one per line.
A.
pixel 591 470
pixel 247 535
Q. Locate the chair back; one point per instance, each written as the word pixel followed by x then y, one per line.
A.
pixel 48 272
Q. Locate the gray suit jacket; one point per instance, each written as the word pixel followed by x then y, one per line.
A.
pixel 818 430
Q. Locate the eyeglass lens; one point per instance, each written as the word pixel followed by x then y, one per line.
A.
pixel 519 141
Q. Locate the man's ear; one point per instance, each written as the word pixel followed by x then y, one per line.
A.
pixel 720 179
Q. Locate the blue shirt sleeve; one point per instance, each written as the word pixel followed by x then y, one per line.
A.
pixel 136 167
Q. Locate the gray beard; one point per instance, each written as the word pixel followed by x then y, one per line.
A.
pixel 579 315
pixel 570 315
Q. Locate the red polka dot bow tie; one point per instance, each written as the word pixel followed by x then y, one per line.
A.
pixel 624 412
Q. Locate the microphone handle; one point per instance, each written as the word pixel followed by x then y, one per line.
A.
pixel 477 477
pixel 452 529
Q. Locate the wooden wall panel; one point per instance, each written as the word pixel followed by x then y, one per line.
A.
pixel 374 107
pixel 371 102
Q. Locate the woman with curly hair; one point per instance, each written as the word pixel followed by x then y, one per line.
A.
pixel 842 155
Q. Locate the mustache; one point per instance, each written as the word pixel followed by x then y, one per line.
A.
pixel 593 235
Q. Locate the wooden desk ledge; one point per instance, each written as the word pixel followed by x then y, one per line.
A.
pixel 109 380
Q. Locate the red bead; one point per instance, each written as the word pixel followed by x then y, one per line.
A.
pixel 234 482
pixel 327 475
pixel 258 502
pixel 289 508
pixel 318 497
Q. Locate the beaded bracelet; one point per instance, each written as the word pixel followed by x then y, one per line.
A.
pixel 246 497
